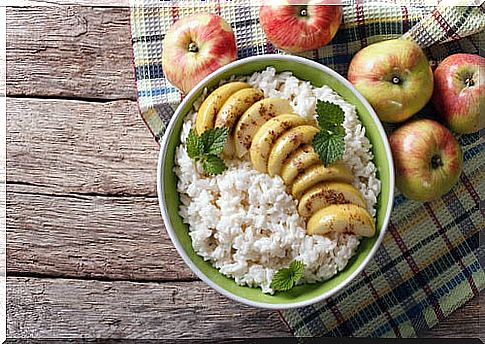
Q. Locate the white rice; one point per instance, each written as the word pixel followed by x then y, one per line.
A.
pixel 246 224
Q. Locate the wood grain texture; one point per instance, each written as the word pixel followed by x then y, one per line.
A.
pixel 89 237
pixel 94 3
pixel 80 147
pixel 69 51
pixel 56 308
pixel 465 322
pixel 92 309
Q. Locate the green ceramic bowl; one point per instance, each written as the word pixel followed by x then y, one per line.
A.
pixel 301 295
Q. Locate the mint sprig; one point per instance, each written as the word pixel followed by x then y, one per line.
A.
pixel 329 143
pixel 206 147
pixel 214 140
pixel 195 146
pixel 285 279
pixel 330 116
pixel 212 164
pixel 329 146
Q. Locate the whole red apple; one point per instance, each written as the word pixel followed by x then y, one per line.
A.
pixel 459 92
pixel 394 76
pixel 428 159
pixel 300 25
pixel 194 47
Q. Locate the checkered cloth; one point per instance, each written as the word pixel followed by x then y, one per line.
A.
pixel 429 262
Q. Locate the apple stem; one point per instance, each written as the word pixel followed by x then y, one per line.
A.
pixel 436 161
pixel 303 12
pixel 396 80
pixel 469 82
pixel 193 47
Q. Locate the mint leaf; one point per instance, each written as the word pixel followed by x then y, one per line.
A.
pixel 329 146
pixel 298 267
pixel 214 140
pixel 330 116
pixel 212 164
pixel 195 146
pixel 204 148
pixel 284 279
pixel 329 143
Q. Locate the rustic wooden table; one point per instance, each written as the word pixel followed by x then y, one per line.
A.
pixel 88 255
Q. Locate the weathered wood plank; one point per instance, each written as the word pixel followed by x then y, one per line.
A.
pixel 103 3
pixel 92 309
pixel 72 308
pixel 89 237
pixel 82 147
pixel 69 51
pixel 465 322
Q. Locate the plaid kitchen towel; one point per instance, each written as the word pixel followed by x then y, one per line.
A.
pixel 429 262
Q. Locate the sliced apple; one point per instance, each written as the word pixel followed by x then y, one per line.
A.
pixel 213 103
pixel 287 144
pixel 235 106
pixel 324 194
pixel 318 173
pixel 298 162
pixel 230 112
pixel 267 134
pixel 341 218
pixel 253 119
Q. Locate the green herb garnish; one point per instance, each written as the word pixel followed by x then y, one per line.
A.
pixel 206 147
pixel 284 279
pixel 329 143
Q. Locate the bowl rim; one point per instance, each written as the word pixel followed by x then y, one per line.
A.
pixel 161 189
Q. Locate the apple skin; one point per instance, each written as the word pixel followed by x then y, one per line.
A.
pixel 457 99
pixel 428 159
pixel 289 30
pixel 394 76
pixel 212 40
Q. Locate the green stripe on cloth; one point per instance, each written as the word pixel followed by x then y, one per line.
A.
pixel 429 262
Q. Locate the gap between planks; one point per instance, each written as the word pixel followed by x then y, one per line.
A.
pixel 44 190
pixel 69 308
pixel 95 237
pixel 70 51
pixel 100 278
pixel 80 147
pixel 68 98
pixel 56 308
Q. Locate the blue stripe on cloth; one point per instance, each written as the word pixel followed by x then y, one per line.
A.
pixel 316 324
pixel 470 153
pixel 248 51
pixel 427 274
pixel 398 200
pixel 394 278
pixel 151 71
pixel 415 311
pixel 157 91
pixel 456 208
pixel 439 292
pixel 148 38
pixel 468 139
pixel 400 293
